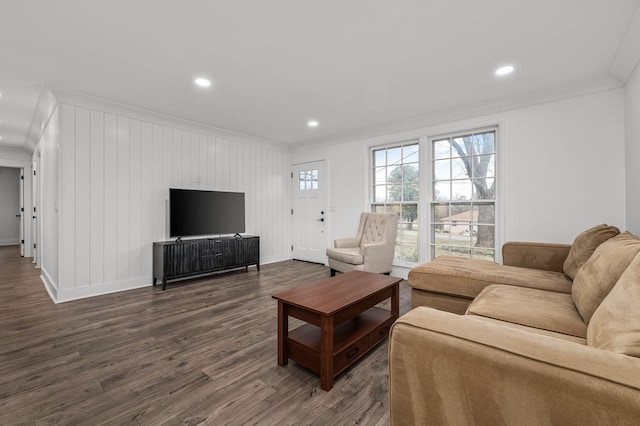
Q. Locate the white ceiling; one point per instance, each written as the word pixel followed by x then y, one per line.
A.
pixel 353 65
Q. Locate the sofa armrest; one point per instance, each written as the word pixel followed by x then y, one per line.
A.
pixel 451 369
pixel 546 256
pixel 346 243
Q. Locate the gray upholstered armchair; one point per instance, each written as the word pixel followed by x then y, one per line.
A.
pixel 371 250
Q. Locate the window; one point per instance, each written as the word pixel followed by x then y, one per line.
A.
pixel 396 190
pixel 308 179
pixel 463 202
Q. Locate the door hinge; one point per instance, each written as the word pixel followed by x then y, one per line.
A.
pixel 291 211
pixel 291 175
pixel 291 248
pixel 34 209
pixel 34 245
pixel 34 172
pixel 21 209
pixel 22 242
pixel 21 177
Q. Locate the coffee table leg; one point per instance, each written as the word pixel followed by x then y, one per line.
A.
pixel 395 301
pixel 283 334
pixel 326 353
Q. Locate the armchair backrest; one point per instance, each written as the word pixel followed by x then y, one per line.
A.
pixel 378 228
pixel 363 222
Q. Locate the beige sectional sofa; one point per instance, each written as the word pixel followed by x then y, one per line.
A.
pixel 552 336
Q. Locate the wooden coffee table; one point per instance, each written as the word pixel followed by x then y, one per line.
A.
pixel 343 323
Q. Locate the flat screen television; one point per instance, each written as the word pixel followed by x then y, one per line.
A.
pixel 205 213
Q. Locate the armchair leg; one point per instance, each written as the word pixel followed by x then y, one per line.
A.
pixel 386 273
pixel 333 272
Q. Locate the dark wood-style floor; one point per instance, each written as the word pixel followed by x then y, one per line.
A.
pixel 202 352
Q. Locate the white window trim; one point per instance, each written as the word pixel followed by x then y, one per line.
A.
pixel 426 172
pixel 370 182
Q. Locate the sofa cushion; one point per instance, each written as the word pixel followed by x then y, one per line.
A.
pixel 350 255
pixel 584 245
pixel 545 310
pixel 615 325
pixel 468 277
pixel 567 337
pixel 599 274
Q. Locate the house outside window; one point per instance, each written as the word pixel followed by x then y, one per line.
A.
pixel 463 200
pixel 396 190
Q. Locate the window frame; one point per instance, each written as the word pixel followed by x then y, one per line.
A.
pixel 429 180
pixel 372 194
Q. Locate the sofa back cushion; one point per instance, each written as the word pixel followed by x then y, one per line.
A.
pixel 615 326
pixel 599 274
pixel 584 245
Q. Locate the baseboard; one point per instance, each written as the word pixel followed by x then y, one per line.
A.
pixel 49 285
pixel 67 295
pixel 272 259
pixel 9 242
pixel 400 271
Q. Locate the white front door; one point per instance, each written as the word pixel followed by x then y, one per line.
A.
pixel 309 212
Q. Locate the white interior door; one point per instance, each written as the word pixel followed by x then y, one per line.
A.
pixel 21 212
pixel 35 196
pixel 309 212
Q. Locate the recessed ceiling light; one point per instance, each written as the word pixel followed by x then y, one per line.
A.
pixel 508 69
pixel 202 82
pixel 312 123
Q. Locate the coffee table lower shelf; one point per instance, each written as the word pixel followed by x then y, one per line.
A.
pixel 351 340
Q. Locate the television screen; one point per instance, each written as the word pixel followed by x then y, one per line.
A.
pixel 203 213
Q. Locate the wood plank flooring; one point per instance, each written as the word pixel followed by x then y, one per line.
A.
pixel 202 352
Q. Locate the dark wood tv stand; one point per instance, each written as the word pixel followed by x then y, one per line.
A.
pixel 173 259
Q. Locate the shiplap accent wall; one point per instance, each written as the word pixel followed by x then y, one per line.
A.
pixel 115 173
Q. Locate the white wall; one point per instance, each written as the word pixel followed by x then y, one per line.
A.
pixel 47 204
pixel 347 185
pixel 561 164
pixel 9 206
pixel 116 167
pixel 632 98
pixel 10 157
pixel 564 167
